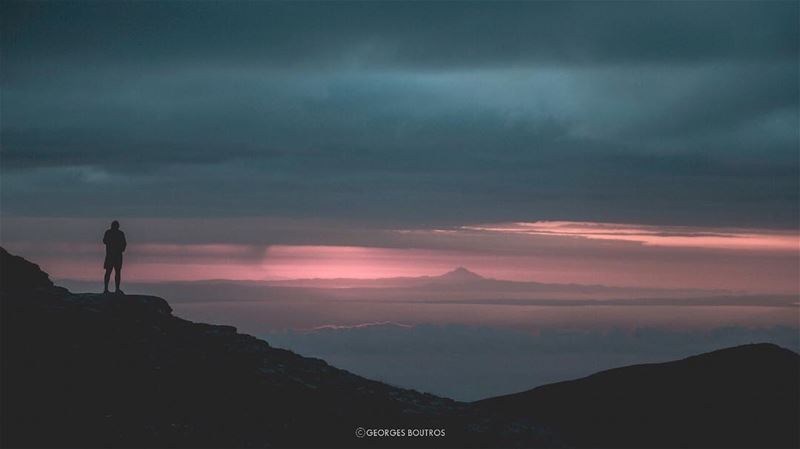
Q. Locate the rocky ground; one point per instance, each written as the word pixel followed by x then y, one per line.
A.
pixel 88 370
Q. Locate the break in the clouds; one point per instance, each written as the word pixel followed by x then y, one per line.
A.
pixel 415 114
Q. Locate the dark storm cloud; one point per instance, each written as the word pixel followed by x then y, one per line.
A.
pixel 436 34
pixel 413 112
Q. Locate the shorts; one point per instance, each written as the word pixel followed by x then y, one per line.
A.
pixel 113 261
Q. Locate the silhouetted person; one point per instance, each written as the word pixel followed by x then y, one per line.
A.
pixel 114 240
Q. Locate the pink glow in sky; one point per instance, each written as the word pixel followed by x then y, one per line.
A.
pixel 675 236
pixel 297 262
pixel 557 252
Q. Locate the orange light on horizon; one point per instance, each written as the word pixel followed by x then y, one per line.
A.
pixel 666 236
pixel 352 262
pixel 546 251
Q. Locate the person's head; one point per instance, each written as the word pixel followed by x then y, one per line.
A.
pixel 115 224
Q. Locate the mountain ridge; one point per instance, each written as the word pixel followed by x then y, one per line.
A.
pixel 460 282
pixel 461 274
pixel 457 274
pixel 731 397
pixel 120 370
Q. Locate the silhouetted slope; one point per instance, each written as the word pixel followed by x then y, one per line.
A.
pixel 88 370
pixel 85 370
pixel 17 274
pixel 745 396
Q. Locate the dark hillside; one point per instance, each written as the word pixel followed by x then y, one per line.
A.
pixel 90 370
pixel 747 396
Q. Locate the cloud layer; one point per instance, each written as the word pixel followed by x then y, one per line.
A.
pixel 755 260
pixel 471 363
pixel 416 113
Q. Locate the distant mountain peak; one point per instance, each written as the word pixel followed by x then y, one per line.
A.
pixel 461 274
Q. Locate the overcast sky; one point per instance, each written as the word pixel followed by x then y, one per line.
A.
pixel 403 114
pixel 640 144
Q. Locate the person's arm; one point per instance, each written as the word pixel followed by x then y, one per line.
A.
pixel 124 242
pixel 105 238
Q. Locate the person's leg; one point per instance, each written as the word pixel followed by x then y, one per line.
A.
pixel 106 279
pixel 117 276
